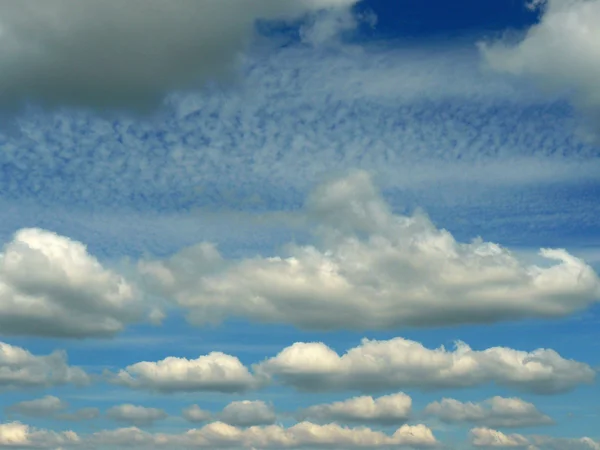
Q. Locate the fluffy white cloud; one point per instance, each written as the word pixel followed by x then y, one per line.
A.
pixel 486 437
pixel 51 286
pixel 213 372
pixel 21 369
pixel 106 53
pixel 41 407
pixel 18 435
pixel 400 363
pixel 306 434
pixel 388 409
pixel 248 413
pixel 494 412
pixel 561 52
pixel 135 415
pixel 372 269
pixel 194 413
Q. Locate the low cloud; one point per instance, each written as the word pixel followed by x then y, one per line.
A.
pixel 46 406
pixel 400 363
pixel 372 269
pixel 110 54
pixel 216 372
pixel 194 413
pixel 135 415
pixel 496 412
pixel 19 435
pixel 248 413
pixel 20 369
pixel 486 437
pixel 385 410
pixel 560 53
pixel 50 286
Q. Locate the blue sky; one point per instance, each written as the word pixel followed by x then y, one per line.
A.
pixel 208 204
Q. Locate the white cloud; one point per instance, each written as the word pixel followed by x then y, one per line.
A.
pixel 50 286
pixel 21 369
pixel 41 407
pixel 388 409
pixel 372 269
pixel 400 363
pixel 194 413
pixel 561 52
pixel 248 413
pixel 213 372
pixel 496 412
pixel 135 415
pixel 18 435
pixel 486 437
pixel 553 443
pixel 104 53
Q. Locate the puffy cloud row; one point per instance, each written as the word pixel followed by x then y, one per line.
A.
pixel 372 366
pixel 561 52
pixel 495 412
pixel 489 438
pixel 372 269
pixel 221 435
pixel 21 369
pixel 107 54
pixel 245 413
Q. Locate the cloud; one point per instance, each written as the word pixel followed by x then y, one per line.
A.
pixel 372 269
pixel 105 54
pixel 18 435
pixel 50 286
pixel 400 363
pixel 20 369
pixel 561 52
pixel 486 437
pixel 388 409
pixel 194 413
pixel 496 412
pixel 301 435
pixel 216 372
pixel 42 407
pixel 136 415
pixel 248 413
pixel 553 443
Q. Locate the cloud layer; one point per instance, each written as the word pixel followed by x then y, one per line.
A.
pixel 107 54
pixel 372 269
pixel 497 412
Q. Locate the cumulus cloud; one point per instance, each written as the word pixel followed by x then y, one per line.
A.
pixel 108 54
pixel 486 437
pixel 372 269
pixel 194 413
pixel 51 286
pixel 18 435
pixel 494 412
pixel 388 409
pixel 248 413
pixel 135 415
pixel 216 372
pixel 561 52
pixel 81 414
pixel 301 435
pixel 400 363
pixel 21 369
pixel 42 407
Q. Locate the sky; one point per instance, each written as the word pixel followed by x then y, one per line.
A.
pixel 284 224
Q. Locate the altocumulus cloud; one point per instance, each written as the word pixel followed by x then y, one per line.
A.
pixel 114 54
pixel 496 412
pixel 561 52
pixel 372 269
pixel 51 286
pixel 401 363
pixel 20 369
